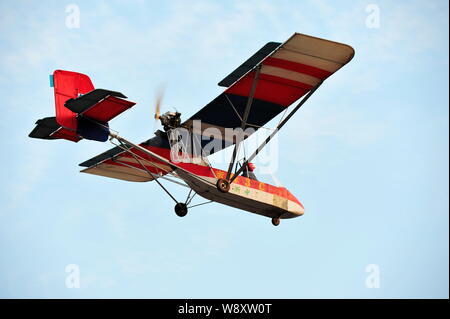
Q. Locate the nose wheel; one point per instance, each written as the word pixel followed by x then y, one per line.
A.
pixel 181 209
pixel 276 221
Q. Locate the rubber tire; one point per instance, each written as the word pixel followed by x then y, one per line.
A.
pixel 223 185
pixel 181 209
pixel 275 221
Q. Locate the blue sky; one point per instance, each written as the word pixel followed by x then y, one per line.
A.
pixel 367 155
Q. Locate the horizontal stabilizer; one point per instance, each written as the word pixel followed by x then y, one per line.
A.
pixel 83 102
pixel 99 105
pixel 45 128
pixel 48 129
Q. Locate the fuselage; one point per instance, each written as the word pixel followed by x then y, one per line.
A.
pixel 245 193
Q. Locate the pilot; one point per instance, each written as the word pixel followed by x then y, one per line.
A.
pixel 248 171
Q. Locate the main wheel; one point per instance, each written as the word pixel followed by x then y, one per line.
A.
pixel 181 209
pixel 276 221
pixel 223 185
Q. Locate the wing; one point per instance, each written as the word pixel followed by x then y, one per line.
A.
pixel 121 164
pixel 288 72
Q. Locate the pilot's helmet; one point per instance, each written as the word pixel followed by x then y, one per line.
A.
pixel 251 167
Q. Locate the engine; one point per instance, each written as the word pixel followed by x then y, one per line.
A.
pixel 170 120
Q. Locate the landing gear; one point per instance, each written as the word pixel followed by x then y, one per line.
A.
pixel 223 185
pixel 276 221
pixel 181 209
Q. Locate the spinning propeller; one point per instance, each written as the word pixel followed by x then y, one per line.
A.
pixel 158 101
pixel 169 120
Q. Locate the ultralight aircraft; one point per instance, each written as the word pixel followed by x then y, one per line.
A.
pixel 261 88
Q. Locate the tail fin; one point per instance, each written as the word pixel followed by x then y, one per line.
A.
pixel 69 85
pixel 81 110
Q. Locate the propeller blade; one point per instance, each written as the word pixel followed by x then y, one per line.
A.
pixel 158 102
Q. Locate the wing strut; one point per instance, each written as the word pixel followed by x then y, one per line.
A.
pixel 124 145
pixel 279 126
pixel 244 120
pixel 143 166
pixel 154 155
